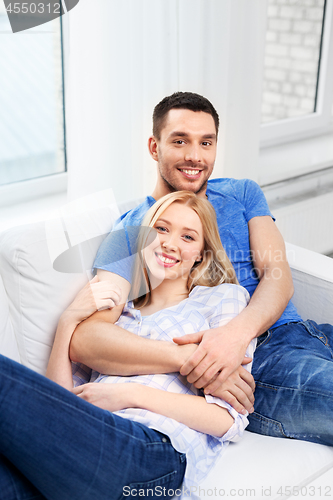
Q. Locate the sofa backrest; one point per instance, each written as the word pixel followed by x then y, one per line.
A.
pixel 312 275
pixel 8 344
pixel 35 291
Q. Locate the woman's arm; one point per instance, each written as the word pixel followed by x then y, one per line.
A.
pixel 192 411
pixel 109 349
pixel 189 410
pixel 94 296
pixel 59 368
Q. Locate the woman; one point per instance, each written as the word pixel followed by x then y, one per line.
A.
pixel 160 431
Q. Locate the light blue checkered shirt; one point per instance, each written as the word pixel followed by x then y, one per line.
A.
pixel 205 308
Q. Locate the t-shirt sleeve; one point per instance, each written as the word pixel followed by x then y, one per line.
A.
pixel 117 253
pixel 253 199
pixel 236 431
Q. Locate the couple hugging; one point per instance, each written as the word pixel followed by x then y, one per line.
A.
pixel 169 341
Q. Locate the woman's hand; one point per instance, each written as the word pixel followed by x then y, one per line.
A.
pixel 111 397
pixel 95 296
pixel 238 389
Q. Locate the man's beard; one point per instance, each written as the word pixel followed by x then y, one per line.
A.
pixel 172 188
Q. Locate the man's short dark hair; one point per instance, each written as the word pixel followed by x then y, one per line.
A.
pixel 181 100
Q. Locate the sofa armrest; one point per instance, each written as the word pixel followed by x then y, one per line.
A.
pixel 313 281
pixel 8 341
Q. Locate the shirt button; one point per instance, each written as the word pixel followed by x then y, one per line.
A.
pixel 164 440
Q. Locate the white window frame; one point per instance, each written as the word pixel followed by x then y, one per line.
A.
pixel 32 189
pixel 319 122
pixel 54 184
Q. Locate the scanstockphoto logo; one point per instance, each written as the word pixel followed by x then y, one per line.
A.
pixel 25 15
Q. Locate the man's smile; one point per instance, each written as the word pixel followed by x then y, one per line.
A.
pixel 190 173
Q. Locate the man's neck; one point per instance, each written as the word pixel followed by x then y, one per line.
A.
pixel 160 191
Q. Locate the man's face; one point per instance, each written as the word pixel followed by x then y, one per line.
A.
pixel 186 151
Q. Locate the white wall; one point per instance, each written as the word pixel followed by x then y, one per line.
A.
pixel 124 57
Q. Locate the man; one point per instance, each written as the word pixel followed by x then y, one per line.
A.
pixel 293 362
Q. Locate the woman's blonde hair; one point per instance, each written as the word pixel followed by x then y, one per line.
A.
pixel 214 268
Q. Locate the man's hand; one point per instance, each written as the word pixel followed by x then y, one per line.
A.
pixel 220 353
pixel 216 367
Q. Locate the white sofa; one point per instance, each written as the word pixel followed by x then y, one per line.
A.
pixel 33 294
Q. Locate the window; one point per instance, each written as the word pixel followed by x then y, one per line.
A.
pixel 31 101
pixel 297 95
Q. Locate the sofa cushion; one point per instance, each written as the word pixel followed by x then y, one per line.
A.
pixel 267 467
pixel 37 292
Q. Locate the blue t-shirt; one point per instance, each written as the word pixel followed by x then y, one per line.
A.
pixel 235 203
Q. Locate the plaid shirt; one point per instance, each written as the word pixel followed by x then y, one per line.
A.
pixel 205 308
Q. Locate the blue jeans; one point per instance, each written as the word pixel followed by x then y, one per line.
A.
pixel 293 370
pixel 57 446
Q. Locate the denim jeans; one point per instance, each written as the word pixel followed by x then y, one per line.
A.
pixel 57 446
pixel 293 370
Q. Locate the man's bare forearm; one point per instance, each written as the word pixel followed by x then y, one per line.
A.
pixel 265 307
pixel 275 288
pixel 269 300
pixel 109 349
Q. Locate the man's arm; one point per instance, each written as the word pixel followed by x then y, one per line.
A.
pixel 222 349
pixel 100 344
pixel 109 349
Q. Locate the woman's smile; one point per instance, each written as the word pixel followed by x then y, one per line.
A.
pixel 165 260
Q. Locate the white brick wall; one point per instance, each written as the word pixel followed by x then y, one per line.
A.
pixel 291 39
pixel 290 12
pixel 291 62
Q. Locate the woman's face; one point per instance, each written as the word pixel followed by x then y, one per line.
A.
pixel 178 245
